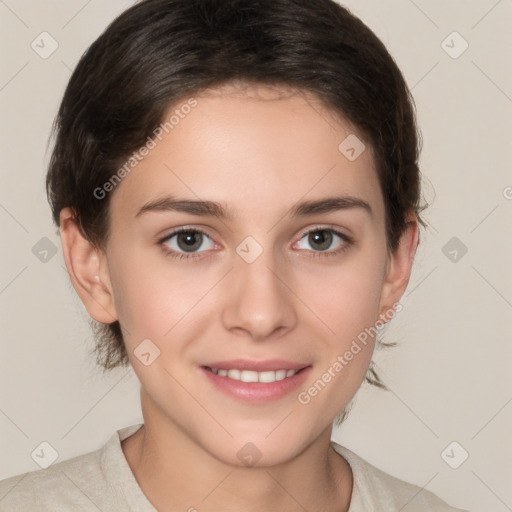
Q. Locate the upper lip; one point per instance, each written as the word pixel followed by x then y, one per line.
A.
pixel 257 366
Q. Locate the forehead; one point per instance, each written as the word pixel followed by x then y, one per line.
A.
pixel 256 149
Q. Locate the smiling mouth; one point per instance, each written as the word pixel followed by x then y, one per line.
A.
pixel 265 377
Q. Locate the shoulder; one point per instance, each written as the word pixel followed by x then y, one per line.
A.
pixel 71 483
pixel 374 490
pixel 99 480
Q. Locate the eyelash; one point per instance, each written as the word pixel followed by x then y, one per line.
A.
pixel 194 256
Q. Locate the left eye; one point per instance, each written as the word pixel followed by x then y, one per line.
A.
pixel 322 239
pixel 188 241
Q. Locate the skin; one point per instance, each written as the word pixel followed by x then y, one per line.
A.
pixel 258 151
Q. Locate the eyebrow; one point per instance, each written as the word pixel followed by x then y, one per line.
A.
pixel 213 209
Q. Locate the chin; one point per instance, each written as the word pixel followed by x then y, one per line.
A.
pixel 256 451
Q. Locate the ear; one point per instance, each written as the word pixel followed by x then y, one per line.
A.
pixel 88 269
pixel 399 266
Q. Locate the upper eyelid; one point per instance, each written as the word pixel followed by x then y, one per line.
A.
pixel 184 229
pixel 325 228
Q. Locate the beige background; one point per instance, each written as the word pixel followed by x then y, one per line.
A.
pixel 450 376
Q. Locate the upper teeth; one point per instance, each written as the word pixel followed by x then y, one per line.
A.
pixel 252 376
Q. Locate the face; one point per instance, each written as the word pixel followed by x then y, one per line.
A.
pixel 276 279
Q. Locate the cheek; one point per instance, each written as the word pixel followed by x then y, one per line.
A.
pixel 348 308
pixel 156 299
pixel 346 297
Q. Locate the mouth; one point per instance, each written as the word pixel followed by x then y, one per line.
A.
pixel 256 381
pixel 265 377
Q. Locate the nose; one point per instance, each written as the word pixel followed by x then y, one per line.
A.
pixel 258 302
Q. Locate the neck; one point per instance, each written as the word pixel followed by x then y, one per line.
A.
pixel 175 473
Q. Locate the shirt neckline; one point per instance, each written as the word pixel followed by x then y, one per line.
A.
pixel 118 473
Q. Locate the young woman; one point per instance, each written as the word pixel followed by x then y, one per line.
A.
pixel 238 196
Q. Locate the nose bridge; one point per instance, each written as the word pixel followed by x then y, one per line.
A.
pixel 259 272
pixel 258 301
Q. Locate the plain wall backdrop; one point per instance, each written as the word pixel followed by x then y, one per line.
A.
pixel 449 378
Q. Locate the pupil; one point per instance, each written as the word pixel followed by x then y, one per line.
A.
pixel 190 243
pixel 320 238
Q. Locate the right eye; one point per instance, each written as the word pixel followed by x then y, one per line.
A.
pixel 186 243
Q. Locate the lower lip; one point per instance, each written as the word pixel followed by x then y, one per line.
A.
pixel 257 392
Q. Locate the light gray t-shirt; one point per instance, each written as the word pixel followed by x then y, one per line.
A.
pixel 102 480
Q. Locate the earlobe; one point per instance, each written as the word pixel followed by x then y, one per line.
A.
pixel 399 266
pixel 87 269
